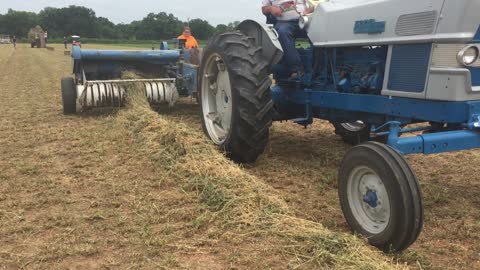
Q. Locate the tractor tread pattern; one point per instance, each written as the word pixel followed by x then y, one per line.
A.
pixel 412 226
pixel 416 223
pixel 253 106
pixel 69 95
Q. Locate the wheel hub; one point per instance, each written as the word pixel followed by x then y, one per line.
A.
pixel 371 198
pixel 225 99
pixel 368 199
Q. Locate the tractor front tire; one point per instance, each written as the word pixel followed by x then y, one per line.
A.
pixel 69 96
pixel 234 92
pixel 380 196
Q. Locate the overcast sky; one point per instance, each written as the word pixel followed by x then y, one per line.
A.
pixel 125 11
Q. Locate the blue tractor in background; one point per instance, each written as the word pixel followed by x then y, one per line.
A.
pixel 372 69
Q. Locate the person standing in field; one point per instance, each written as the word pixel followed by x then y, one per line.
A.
pixel 190 41
pixel 65 41
pixel 14 41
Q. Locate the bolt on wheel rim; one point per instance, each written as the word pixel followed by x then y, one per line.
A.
pixel 368 200
pixel 353 126
pixel 217 99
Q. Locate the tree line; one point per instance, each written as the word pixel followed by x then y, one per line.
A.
pixel 82 21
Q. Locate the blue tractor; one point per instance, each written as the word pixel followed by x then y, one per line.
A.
pixel 372 69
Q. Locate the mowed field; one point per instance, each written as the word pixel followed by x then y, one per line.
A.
pixel 138 189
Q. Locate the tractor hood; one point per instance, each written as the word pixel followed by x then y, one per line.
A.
pixel 460 19
pixel 377 22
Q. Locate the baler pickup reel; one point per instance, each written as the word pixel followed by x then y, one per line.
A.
pixel 112 93
pixel 104 77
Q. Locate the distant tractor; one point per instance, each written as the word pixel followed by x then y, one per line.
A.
pixel 36 36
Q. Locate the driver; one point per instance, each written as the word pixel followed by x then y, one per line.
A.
pixel 287 14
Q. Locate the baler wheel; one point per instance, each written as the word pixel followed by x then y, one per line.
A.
pixel 380 196
pixel 69 96
pixel 356 132
pixel 234 91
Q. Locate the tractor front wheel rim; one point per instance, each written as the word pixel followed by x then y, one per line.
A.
pixel 368 200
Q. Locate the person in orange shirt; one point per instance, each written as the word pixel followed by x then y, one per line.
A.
pixel 190 41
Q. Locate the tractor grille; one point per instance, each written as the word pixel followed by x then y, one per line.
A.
pixel 409 66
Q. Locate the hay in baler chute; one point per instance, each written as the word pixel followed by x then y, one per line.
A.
pixel 239 205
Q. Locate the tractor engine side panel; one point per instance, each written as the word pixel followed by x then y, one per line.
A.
pixel 361 70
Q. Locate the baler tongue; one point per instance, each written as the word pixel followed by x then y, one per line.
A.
pixel 100 82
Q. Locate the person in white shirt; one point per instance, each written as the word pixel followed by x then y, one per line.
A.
pixel 287 14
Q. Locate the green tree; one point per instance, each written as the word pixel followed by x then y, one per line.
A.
pixel 68 21
pixel 201 29
pixel 233 25
pixel 105 29
pixel 221 28
pixel 158 26
pixel 18 23
pixel 60 22
pixel 126 31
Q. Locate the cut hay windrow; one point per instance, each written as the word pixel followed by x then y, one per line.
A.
pixel 239 205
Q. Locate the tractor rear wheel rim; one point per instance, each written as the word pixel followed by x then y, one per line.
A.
pixel 217 99
pixel 354 126
pixel 368 200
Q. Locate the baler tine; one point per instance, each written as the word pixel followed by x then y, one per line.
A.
pixel 372 68
pixel 111 93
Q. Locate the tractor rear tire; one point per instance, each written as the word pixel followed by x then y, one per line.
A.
pixel 69 96
pixel 234 91
pixel 380 196
pixel 357 132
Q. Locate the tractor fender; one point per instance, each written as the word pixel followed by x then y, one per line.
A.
pixel 266 37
